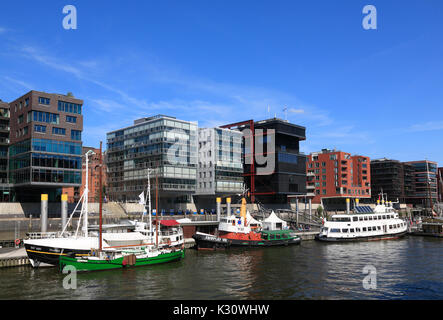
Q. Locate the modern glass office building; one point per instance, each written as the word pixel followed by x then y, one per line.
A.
pixel 45 145
pixel 220 166
pixel 164 144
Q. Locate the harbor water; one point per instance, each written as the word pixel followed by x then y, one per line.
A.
pixel 409 268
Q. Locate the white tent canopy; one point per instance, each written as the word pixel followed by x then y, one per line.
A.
pixel 274 223
pixel 251 221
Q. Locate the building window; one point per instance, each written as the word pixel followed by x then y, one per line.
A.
pixel 59 131
pixel 26 102
pixel 45 117
pixel 20 119
pixel 69 107
pixel 39 128
pixel 45 101
pixel 76 135
pixel 71 119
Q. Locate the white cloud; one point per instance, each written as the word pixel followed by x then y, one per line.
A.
pixel 428 126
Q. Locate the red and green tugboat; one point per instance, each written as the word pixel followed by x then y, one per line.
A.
pixel 236 232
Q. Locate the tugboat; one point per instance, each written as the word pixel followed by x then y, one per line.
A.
pixel 364 224
pixel 236 232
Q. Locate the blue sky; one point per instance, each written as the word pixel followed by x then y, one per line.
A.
pixel 377 93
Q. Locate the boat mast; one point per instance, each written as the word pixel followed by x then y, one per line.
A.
pixel 156 208
pixel 86 198
pixel 149 203
pixel 101 200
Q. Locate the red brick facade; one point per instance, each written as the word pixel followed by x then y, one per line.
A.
pixel 337 174
pixel 74 194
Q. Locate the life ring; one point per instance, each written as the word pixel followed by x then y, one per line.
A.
pixel 17 241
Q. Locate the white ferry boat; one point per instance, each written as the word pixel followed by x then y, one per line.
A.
pixel 364 224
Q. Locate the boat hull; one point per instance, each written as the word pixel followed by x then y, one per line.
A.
pixel 100 265
pixel 208 242
pixel 49 255
pixel 264 243
pixel 367 238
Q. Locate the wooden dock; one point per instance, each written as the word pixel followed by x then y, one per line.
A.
pixel 12 257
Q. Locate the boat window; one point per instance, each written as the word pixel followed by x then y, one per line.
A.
pixel 355 219
pixel 378 228
pixel 335 230
pixel 370 218
pixel 379 217
pixel 375 217
pixel 344 230
pixel 384 217
pixel 364 228
pixel 357 229
pixel 351 230
pixel 366 218
pixel 369 228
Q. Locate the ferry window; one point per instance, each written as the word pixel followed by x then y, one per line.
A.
pixel 390 227
pixel 351 230
pixel 384 217
pixel 335 230
pixel 364 229
pixel 378 228
pixel 379 217
pixel 357 229
pixel 366 218
pixel 344 230
pixel 375 217
pixel 370 218
pixel 369 228
pixel 355 219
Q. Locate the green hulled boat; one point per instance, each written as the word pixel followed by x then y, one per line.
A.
pixel 121 259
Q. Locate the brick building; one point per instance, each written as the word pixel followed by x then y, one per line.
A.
pixel 74 193
pixel 334 176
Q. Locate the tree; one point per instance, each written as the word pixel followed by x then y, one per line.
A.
pixel 320 210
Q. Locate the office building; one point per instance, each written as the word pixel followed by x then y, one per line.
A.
pixel 393 178
pixel 220 166
pixel 274 167
pixel 334 176
pixel 425 183
pixel 45 145
pixel 164 144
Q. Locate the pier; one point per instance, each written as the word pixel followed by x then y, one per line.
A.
pixel 12 257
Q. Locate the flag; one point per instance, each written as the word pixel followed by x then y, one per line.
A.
pixel 142 198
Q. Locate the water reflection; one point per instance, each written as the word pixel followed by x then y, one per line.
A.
pixel 409 268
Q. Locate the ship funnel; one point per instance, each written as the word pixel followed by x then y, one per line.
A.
pixel 243 209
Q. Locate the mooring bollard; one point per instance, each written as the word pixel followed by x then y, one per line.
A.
pixel 44 213
pixel 64 210
pixel 228 207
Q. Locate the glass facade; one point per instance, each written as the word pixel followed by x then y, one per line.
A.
pixel 166 144
pixel 28 164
